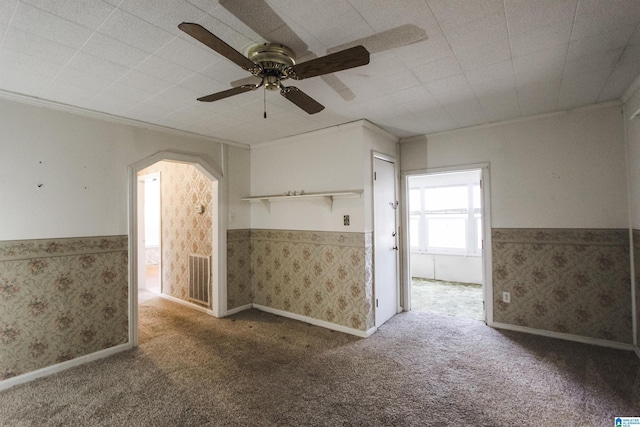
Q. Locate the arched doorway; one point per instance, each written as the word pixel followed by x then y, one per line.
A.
pixel 189 241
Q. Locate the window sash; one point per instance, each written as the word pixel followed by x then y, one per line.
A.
pixel 469 218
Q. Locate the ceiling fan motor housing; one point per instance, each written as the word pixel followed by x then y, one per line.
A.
pixel 275 61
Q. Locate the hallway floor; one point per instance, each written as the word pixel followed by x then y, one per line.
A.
pixel 153 278
pixel 450 298
pixel 152 284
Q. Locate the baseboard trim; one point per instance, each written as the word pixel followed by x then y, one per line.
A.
pixel 315 322
pixel 564 336
pixel 188 304
pixel 239 309
pixel 59 367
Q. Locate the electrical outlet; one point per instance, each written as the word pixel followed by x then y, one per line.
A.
pixel 346 220
pixel 506 297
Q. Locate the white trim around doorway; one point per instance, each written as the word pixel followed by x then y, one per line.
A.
pixel 219 214
pixel 487 278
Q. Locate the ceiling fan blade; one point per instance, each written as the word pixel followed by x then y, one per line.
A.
pixel 330 79
pixel 227 93
pixel 261 18
pixel 301 99
pixel 338 61
pixel 203 35
pixel 336 84
pixel 251 80
pixel 401 36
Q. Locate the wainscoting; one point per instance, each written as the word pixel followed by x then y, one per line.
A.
pixel 239 289
pixel 573 281
pixel 321 275
pixel 61 299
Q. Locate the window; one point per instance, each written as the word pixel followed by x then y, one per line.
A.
pixel 446 218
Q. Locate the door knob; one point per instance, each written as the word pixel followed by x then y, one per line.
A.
pixel 395 248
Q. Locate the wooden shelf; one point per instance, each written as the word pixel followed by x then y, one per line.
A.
pixel 329 197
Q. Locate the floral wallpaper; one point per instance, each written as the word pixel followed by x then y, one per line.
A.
pixel 184 232
pixel 239 288
pixel 61 299
pixel 322 275
pixel 573 281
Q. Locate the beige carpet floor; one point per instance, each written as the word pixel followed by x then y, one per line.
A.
pixel 257 369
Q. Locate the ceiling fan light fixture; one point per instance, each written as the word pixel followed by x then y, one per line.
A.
pixel 272 56
pixel 271 82
pixel 274 61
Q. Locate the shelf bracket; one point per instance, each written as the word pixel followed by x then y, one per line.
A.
pixel 329 201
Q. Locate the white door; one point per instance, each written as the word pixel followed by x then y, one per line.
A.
pixel 385 248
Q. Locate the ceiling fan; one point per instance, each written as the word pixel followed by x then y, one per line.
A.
pixel 260 17
pixel 272 63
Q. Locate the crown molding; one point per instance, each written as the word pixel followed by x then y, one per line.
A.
pixel 310 134
pixel 52 105
pixel 377 129
pixel 356 124
pixel 631 90
pixel 599 106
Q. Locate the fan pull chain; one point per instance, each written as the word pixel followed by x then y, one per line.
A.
pixel 264 91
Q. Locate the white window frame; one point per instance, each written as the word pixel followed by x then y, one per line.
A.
pixel 470 216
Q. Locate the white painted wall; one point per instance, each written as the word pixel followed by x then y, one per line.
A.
pixel 378 141
pixel 332 159
pixel 66 175
pixel 466 269
pixel 413 154
pixel 323 161
pixel 320 162
pixel 314 162
pixel 564 170
pixel 238 176
pixel 633 138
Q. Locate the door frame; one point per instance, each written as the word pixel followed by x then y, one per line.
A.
pixel 487 276
pixel 141 200
pixel 377 155
pixel 219 234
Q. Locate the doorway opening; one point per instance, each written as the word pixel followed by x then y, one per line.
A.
pixel 177 212
pixel 191 228
pixel 446 240
pixel 149 235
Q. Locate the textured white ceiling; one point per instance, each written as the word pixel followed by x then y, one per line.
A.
pixel 483 60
